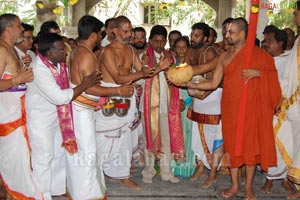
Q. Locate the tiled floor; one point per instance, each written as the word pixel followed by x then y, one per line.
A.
pixel 185 189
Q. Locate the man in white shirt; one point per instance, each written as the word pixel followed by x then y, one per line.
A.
pixel 109 27
pixel 23 47
pixel 47 123
pixel 161 112
pixel 276 42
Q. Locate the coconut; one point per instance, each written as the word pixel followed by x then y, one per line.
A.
pixel 180 74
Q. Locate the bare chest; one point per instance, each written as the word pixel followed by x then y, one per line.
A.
pixel 124 59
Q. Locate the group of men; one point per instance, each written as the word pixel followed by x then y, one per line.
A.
pixel 54 135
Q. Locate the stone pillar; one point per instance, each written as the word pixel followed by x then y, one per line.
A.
pixel 225 11
pixel 79 10
pixel 45 14
pixel 263 21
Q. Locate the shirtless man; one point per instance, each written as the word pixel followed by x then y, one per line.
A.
pixel 14 149
pixel 206 132
pixel 223 45
pixel 117 62
pixel 82 168
pixel 231 66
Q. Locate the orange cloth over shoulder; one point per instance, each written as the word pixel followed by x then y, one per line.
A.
pixel 263 96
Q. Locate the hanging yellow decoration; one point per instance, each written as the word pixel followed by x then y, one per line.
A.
pixel 57 10
pixel 270 13
pixel 40 5
pixel 163 6
pixel 73 2
pixel 254 9
pixel 181 2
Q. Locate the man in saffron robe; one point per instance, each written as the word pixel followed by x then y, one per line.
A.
pixel 263 95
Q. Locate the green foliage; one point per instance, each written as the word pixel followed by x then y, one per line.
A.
pixel 240 9
pixel 283 17
pixel 8 6
pixel 26 13
pixel 183 10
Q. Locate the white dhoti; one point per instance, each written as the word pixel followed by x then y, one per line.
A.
pixel 84 180
pixel 284 149
pixel 15 166
pixel 294 118
pixel 290 87
pixel 48 157
pixel 212 133
pixel 282 128
pixel 114 140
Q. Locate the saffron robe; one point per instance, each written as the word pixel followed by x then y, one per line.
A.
pixel 263 95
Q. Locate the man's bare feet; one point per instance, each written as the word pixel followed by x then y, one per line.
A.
pixel 199 172
pixel 127 182
pixel 267 186
pixel 209 181
pixel 286 185
pixel 249 195
pixel 227 193
pixel 294 195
